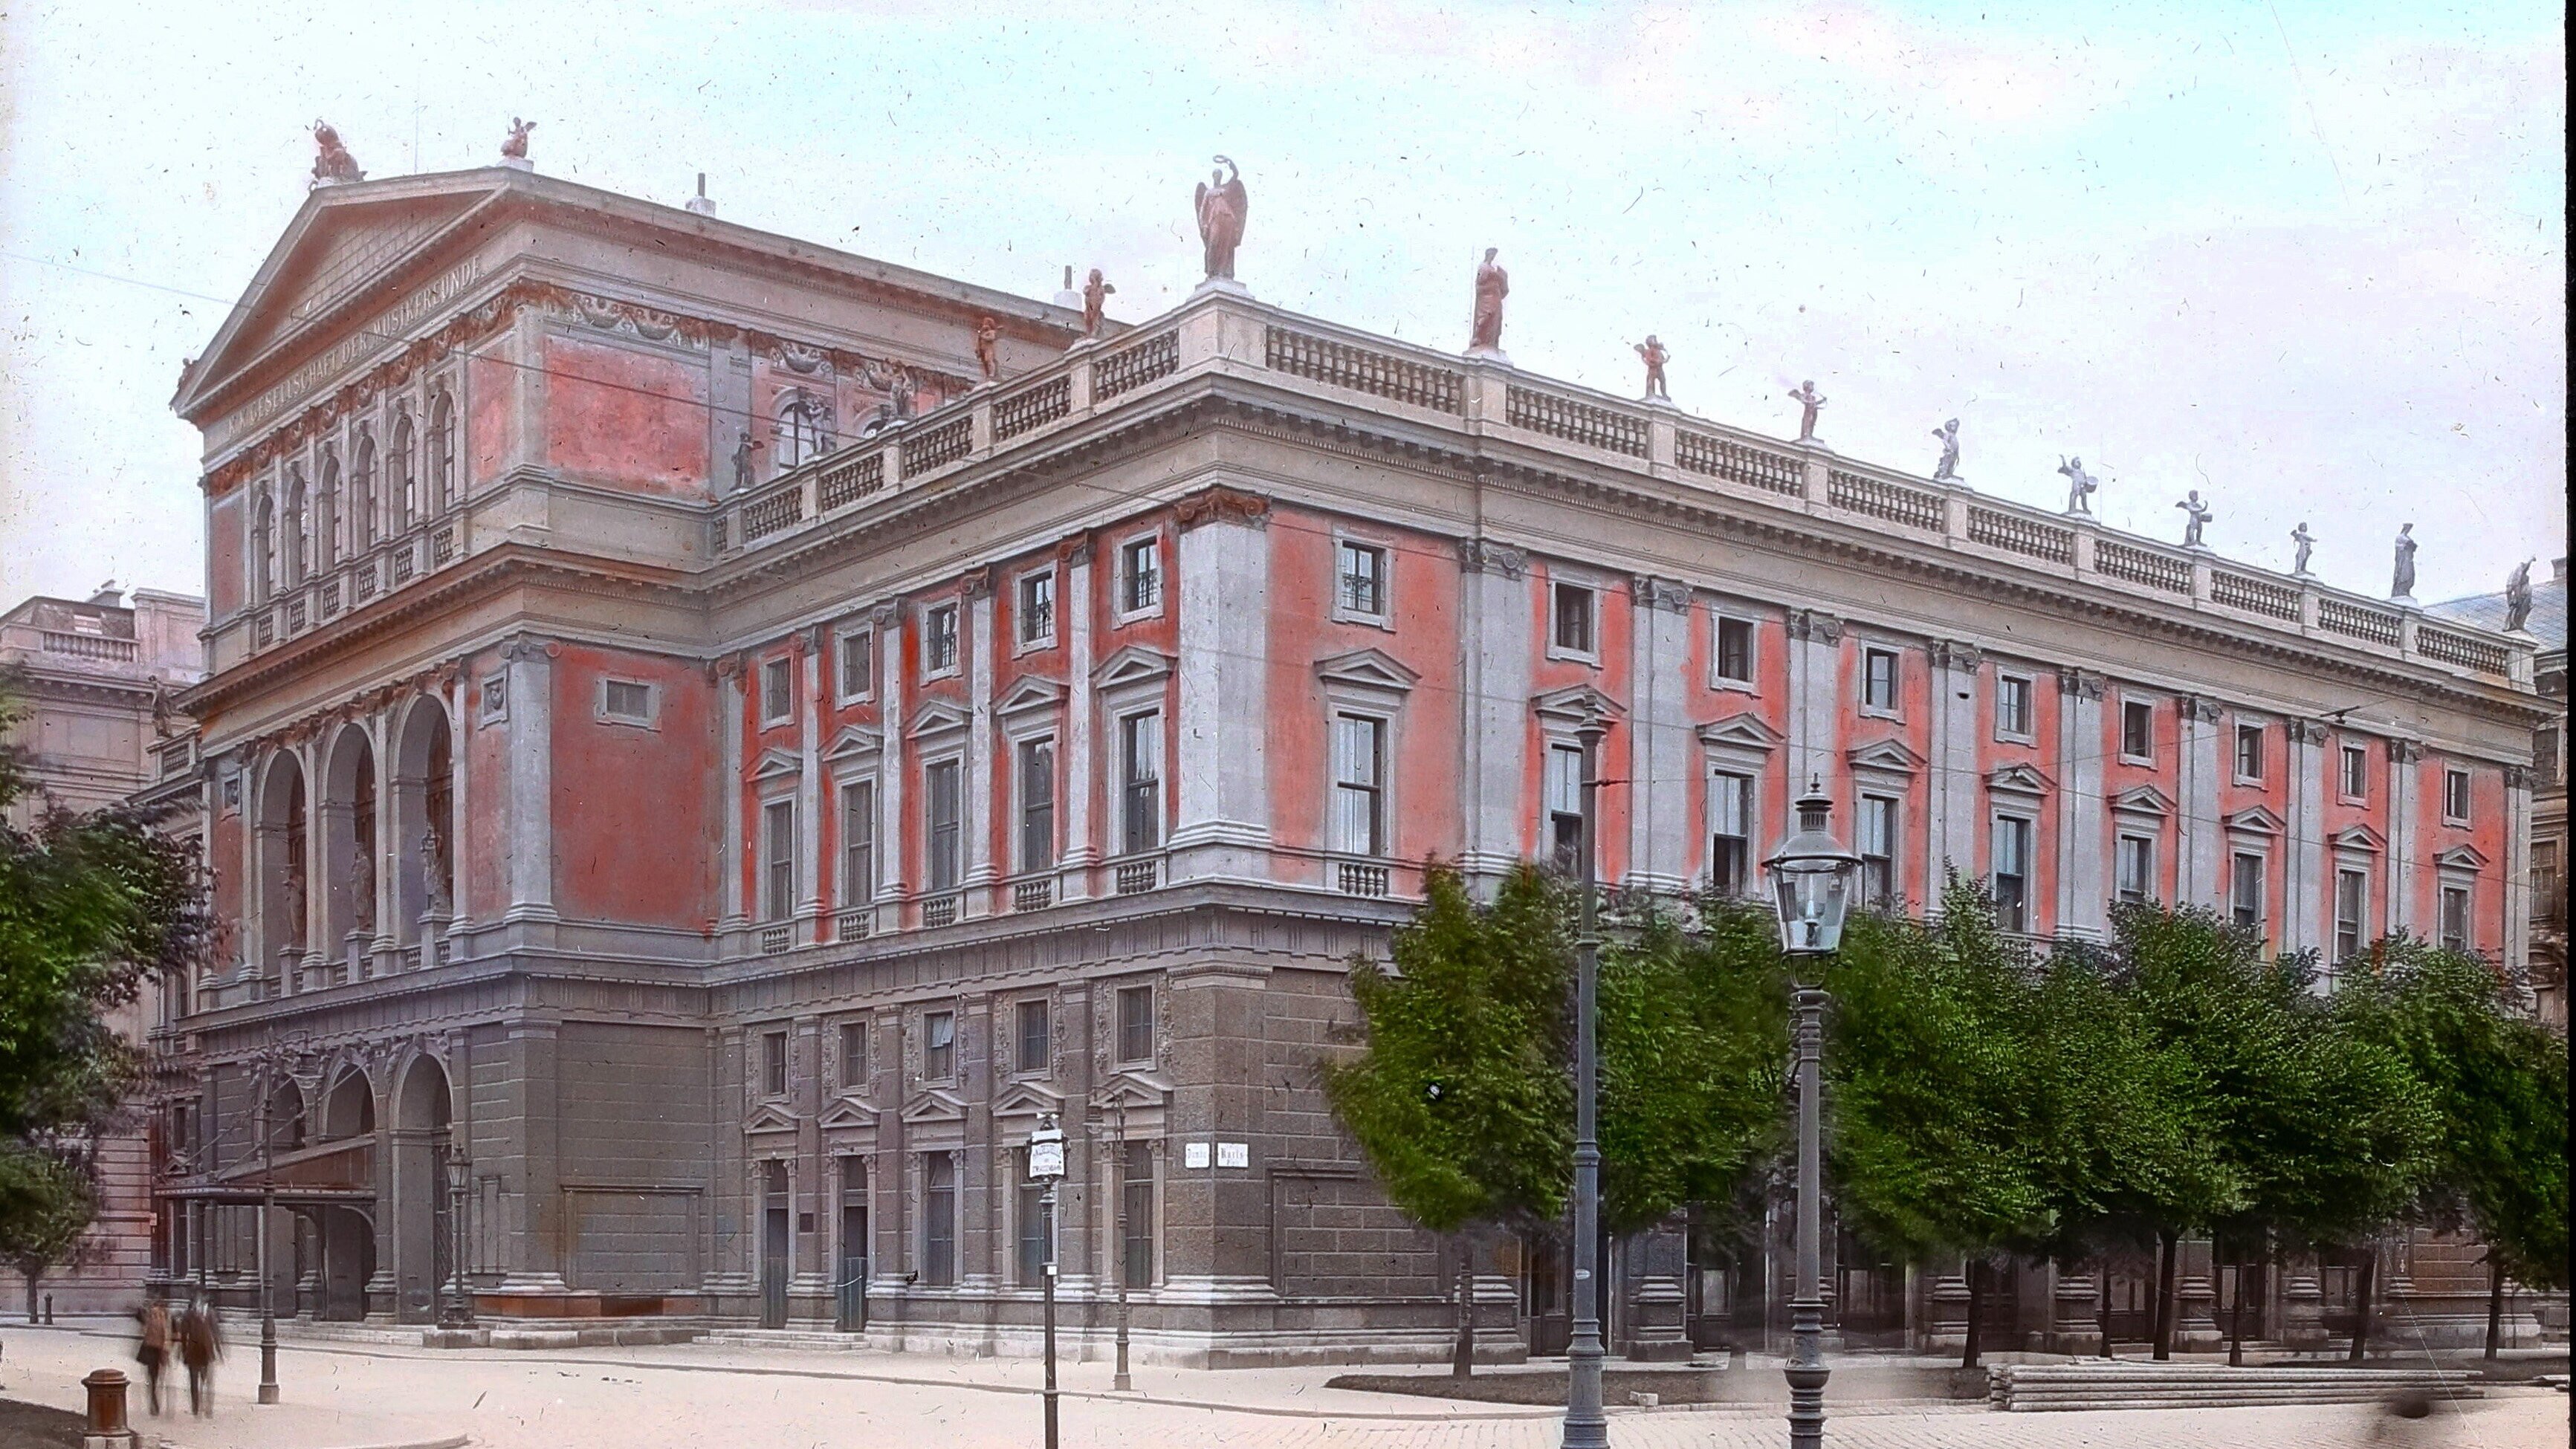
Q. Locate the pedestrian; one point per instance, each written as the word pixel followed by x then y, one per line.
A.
pixel 154 1351
pixel 201 1342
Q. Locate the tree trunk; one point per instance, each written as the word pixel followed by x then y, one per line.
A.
pixel 1462 1363
pixel 2163 1331
pixel 1976 1317
pixel 2495 1305
pixel 2361 1305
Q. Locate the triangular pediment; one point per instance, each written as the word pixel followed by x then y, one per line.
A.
pixel 1574 704
pixel 773 764
pixel 1028 695
pixel 1137 1090
pixel 2257 820
pixel 935 1104
pixel 2019 780
pixel 770 1117
pixel 938 717
pixel 2359 837
pixel 1744 731
pixel 2462 857
pixel 353 251
pixel 854 741
pixel 845 1112
pixel 1134 664
pixel 2143 800
pixel 1027 1099
pixel 1888 757
pixel 1367 669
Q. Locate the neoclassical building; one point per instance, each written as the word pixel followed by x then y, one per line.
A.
pixel 695 763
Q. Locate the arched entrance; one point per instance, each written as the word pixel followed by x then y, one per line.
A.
pixel 345 1236
pixel 420 1146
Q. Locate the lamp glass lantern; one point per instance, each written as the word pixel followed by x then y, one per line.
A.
pixel 1811 879
pixel 1046 1151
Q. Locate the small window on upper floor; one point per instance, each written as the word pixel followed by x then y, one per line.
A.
pixel 1135 1023
pixel 939 640
pixel 1734 651
pixel 1878 680
pixel 2356 773
pixel 2249 754
pixel 2012 707
pixel 1140 575
pixel 2455 797
pixel 626 701
pixel 2137 731
pixel 855 667
pixel 773 1063
pixel 1035 606
pixel 1572 627
pixel 938 1045
pixel 854 1056
pixel 777 691
pixel 1360 585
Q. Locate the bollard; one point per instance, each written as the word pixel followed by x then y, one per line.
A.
pixel 107 1428
pixel 49 1310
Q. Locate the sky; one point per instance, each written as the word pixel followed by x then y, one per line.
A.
pixel 2306 258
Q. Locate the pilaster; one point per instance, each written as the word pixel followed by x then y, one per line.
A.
pixel 2083 897
pixel 1661 741
pixel 1081 846
pixel 978 804
pixel 2518 904
pixel 1494 669
pixel 2405 760
pixel 2304 895
pixel 2200 840
pixel 1815 676
pixel 730 703
pixel 1223 828
pixel 530 863
pixel 1951 823
pixel 892 857
pixel 809 666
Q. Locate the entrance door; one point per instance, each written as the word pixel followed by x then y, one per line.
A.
pixel 854 1266
pixel 774 1227
pixel 1551 1321
pixel 348 1261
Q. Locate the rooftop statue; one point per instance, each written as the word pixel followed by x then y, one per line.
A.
pixel 2196 516
pixel 987 333
pixel 1485 327
pixel 1653 354
pixel 743 464
pixel 2402 587
pixel 1221 210
pixel 2517 598
pixel 516 148
pixel 2080 485
pixel 1947 470
pixel 332 163
pixel 1095 296
pixel 1808 402
pixel 2302 543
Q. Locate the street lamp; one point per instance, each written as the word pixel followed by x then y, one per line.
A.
pixel 1121 1383
pixel 458 1311
pixel 1046 1169
pixel 1586 1427
pixel 267 1205
pixel 1811 876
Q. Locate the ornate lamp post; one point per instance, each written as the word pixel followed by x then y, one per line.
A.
pixel 1586 1427
pixel 1121 1383
pixel 1811 877
pixel 458 1310
pixel 1046 1168
pixel 267 1205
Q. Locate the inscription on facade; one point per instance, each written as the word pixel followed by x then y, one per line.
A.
pixel 340 356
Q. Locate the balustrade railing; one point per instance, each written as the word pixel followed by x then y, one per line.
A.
pixel 776 939
pixel 1358 879
pixel 937 446
pixel 1576 421
pixel 939 911
pixel 2141 566
pixel 2025 536
pixel 1738 463
pixel 1134 366
pixel 2464 650
pixel 89 646
pixel 2356 621
pixel 843 484
pixel 1032 408
pixel 2253 595
pixel 1033 895
pixel 1361 369
pixel 1877 498
pixel 855 924
pixel 1137 876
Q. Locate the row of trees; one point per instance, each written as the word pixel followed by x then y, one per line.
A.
pixel 1984 1101
pixel 90 904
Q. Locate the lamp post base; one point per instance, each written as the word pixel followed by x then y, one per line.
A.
pixel 1806 1373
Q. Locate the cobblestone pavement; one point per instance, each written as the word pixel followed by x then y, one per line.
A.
pixel 342 1395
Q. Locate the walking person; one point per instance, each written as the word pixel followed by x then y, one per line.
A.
pixel 201 1342
pixel 154 1351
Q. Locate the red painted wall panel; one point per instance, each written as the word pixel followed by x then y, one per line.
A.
pixel 624 418
pixel 632 840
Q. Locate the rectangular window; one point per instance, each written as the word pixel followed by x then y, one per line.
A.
pixel 1363 580
pixel 1573 626
pixel 1359 791
pixel 1037 805
pixel 1140 576
pixel 2249 752
pixel 2136 868
pixel 2245 890
pixel 1730 826
pixel 2356 772
pixel 2137 729
pixel 1136 1208
pixel 2012 873
pixel 777 691
pixel 1878 679
pixel 856 667
pixel 1140 757
pixel 1036 1050
pixel 858 842
pixel 2352 894
pixel 1735 650
pixel 773 1063
pixel 2546 766
pixel 938 1219
pixel 1030 1213
pixel 2455 797
pixel 2012 707
pixel 2455 919
pixel 1878 851
pixel 854 1056
pixel 938 1045
pixel 778 860
pixel 1565 808
pixel 2544 878
pixel 940 809
pixel 626 701
pixel 1135 1023
pixel 939 639
pixel 1037 607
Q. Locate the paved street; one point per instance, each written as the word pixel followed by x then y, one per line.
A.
pixel 688 1397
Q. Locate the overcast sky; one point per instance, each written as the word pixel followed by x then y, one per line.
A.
pixel 2304 257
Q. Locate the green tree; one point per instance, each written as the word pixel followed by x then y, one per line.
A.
pixel 47 1203
pixel 1460 1100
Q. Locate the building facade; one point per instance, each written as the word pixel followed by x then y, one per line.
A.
pixel 92 681
pixel 697 771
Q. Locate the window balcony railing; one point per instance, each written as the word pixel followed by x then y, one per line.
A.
pixel 939 911
pixel 855 924
pixel 1033 895
pixel 1359 878
pixel 1135 877
pixel 774 940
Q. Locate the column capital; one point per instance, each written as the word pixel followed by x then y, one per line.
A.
pixel 1483 555
pixel 1956 654
pixel 1815 625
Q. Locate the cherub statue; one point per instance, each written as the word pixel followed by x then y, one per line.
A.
pixel 516 148
pixel 1095 295
pixel 1947 470
pixel 332 162
pixel 2302 544
pixel 2196 516
pixel 987 333
pixel 1653 354
pixel 2080 485
pixel 1808 403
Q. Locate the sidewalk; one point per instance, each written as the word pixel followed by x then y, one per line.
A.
pixel 46 1365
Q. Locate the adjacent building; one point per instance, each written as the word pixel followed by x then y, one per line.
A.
pixel 92 681
pixel 696 770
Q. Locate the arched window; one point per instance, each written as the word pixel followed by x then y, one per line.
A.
pixel 402 498
pixel 263 547
pixel 326 511
pixel 295 545
pixel 804 430
pixel 442 452
pixel 362 491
